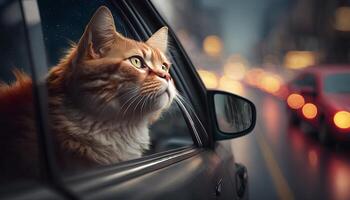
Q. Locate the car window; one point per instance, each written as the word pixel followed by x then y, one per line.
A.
pixel 93 140
pixel 337 83
pixel 307 80
pixel 19 155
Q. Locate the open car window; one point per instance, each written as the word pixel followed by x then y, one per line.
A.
pixel 62 28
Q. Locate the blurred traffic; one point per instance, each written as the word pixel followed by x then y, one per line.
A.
pixel 292 58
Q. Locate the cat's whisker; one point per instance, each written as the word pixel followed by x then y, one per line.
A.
pixel 130 92
pixel 150 99
pixel 189 115
pixel 126 102
pixel 122 109
pixel 144 102
pixel 153 96
pixel 137 104
pixel 132 95
pixel 182 100
pixel 138 100
pixel 127 108
pixel 126 94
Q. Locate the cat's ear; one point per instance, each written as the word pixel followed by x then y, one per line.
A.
pixel 99 34
pixel 159 39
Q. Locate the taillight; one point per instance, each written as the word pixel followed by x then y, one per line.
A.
pixel 309 110
pixel 295 101
pixel 342 119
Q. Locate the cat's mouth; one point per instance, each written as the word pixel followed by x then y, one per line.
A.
pixel 163 98
pixel 165 91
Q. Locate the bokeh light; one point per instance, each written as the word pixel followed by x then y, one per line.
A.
pixel 212 45
pixel 235 70
pixel 270 83
pixel 209 78
pixel 342 19
pixel 309 110
pixel 230 85
pixel 253 76
pixel 342 119
pixel 295 101
pixel 299 59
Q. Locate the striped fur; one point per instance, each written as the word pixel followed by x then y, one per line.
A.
pixel 100 105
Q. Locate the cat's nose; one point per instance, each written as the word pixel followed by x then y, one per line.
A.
pixel 167 77
pixel 160 74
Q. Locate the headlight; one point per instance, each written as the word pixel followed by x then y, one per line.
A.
pixel 342 119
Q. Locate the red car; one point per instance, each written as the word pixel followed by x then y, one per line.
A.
pixel 320 96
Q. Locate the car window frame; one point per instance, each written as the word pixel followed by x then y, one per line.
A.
pixel 143 33
pixel 200 132
pixel 198 110
pixel 70 186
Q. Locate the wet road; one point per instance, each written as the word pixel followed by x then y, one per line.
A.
pixel 285 163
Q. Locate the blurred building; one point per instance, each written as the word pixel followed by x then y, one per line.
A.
pixel 320 27
pixel 263 31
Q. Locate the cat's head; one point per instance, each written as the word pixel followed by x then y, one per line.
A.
pixel 115 76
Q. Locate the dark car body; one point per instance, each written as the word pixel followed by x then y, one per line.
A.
pixel 319 85
pixel 204 170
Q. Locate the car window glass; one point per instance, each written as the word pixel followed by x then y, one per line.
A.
pixel 170 131
pixel 309 80
pixel 298 82
pixel 94 138
pixel 306 80
pixel 337 83
pixel 19 154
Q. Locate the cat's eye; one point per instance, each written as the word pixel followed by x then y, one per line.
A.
pixel 164 67
pixel 137 61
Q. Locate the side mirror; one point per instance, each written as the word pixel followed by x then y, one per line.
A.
pixel 234 116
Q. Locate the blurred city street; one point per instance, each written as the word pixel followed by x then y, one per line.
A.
pixel 263 51
pixel 284 162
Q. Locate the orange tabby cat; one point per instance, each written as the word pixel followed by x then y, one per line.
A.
pixel 102 97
